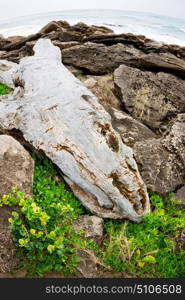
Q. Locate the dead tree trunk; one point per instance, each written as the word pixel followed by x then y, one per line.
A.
pixel 58 115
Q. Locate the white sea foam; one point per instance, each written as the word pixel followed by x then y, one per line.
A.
pixel 159 28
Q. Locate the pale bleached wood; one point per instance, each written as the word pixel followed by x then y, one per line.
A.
pixel 57 114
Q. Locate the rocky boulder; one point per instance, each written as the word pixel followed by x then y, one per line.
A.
pixel 180 195
pixel 153 98
pixel 162 161
pixel 16 170
pixel 138 41
pixel 8 259
pixel 62 45
pixel 131 130
pixel 164 62
pixel 52 26
pixel 103 88
pixel 14 45
pixel 88 266
pixel 87 30
pixel 92 227
pixel 16 166
pixel 98 59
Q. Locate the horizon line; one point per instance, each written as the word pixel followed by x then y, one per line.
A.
pixel 90 9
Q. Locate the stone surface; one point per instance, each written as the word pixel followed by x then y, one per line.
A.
pixel 16 166
pixel 152 98
pixel 89 30
pixel 61 45
pixel 162 161
pixel 15 55
pixel 103 88
pixel 8 259
pixel 14 45
pixel 138 41
pixel 130 129
pixel 16 38
pixel 65 45
pixel 76 72
pixel 92 227
pixel 61 117
pixel 164 62
pixel 3 42
pixel 52 26
pixel 88 265
pixel 180 241
pixel 98 59
pixel 180 195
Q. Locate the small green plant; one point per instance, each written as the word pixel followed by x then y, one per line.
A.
pixel 4 89
pixel 148 249
pixel 42 227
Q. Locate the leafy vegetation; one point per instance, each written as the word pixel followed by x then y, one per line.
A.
pixel 4 89
pixel 42 227
pixel 148 249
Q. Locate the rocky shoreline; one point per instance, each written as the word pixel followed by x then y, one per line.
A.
pixel 139 82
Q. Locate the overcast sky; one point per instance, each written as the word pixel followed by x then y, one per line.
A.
pixel 15 8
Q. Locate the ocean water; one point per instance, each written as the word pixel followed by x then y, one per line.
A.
pixel 160 28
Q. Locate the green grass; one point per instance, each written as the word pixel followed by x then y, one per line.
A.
pixel 148 249
pixel 43 232
pixel 43 228
pixel 4 89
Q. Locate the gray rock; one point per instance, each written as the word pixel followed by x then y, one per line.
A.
pixel 65 45
pixel 162 161
pixel 52 26
pixel 152 98
pixel 130 129
pixel 89 30
pixel 98 59
pixel 61 45
pixel 88 265
pixel 20 43
pixel 16 166
pixel 57 114
pixel 92 227
pixel 180 195
pixel 162 62
pixel 180 241
pixel 8 259
pixel 102 87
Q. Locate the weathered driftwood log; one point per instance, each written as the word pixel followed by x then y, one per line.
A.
pixel 60 116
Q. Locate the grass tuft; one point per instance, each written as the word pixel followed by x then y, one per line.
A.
pixel 4 89
pixel 148 249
